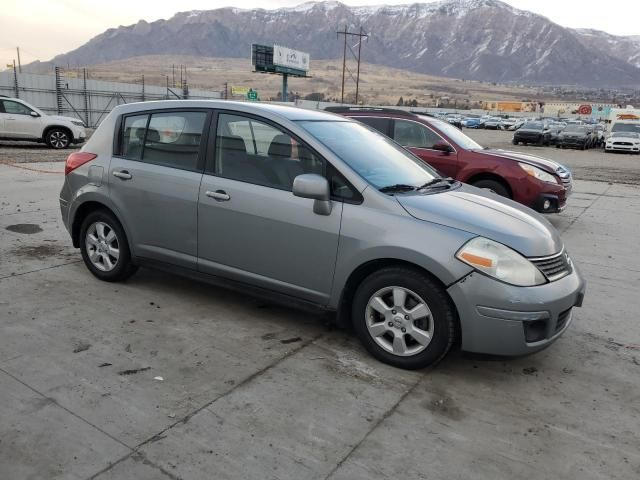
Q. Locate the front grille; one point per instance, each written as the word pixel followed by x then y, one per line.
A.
pixel 563 318
pixel 627 144
pixel 554 267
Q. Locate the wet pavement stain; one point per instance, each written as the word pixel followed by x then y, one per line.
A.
pixel 38 251
pixel 28 228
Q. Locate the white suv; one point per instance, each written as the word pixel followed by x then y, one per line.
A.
pixel 21 121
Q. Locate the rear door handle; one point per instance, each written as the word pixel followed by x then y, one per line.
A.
pixel 123 174
pixel 219 195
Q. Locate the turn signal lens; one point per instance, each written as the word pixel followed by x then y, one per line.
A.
pixel 476 260
pixel 76 160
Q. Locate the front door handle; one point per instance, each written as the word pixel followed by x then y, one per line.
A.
pixel 219 195
pixel 123 174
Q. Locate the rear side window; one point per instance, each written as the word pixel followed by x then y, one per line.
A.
pixel 173 139
pixel 412 134
pixel 133 136
pixel 383 125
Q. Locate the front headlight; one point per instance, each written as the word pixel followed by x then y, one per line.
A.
pixel 538 173
pixel 77 123
pixel 500 262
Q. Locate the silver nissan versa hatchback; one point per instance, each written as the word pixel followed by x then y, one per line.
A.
pixel 314 207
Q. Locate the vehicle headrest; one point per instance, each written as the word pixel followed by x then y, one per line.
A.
pixel 232 142
pixel 280 146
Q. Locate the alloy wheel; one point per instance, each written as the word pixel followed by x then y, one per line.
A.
pixel 103 247
pixel 399 321
pixel 58 139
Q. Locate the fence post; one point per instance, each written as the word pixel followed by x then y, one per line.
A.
pixel 86 97
pixel 58 90
pixel 15 80
pixel 143 99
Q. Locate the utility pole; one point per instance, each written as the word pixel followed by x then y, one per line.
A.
pixel 19 63
pixel 360 35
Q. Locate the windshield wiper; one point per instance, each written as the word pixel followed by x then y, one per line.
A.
pixel 398 187
pixel 437 182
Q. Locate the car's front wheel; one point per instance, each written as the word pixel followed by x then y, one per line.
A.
pixel 58 138
pixel 104 247
pixel 492 185
pixel 404 318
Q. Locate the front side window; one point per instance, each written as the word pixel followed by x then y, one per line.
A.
pixel 133 136
pixel 256 152
pixel 373 156
pixel 173 139
pixel 15 108
pixel 412 134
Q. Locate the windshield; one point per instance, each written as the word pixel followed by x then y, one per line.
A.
pixel 533 126
pixel 626 127
pixel 575 129
pixel 455 134
pixel 377 159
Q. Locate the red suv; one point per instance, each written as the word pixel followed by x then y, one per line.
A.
pixel 541 184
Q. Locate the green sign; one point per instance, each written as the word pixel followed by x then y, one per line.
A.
pixel 252 94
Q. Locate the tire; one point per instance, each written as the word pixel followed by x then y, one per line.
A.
pixel 493 185
pixel 58 138
pixel 540 142
pixel 515 142
pixel 438 318
pixel 94 243
pixel 557 145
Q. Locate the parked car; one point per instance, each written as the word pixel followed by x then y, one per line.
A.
pixel 576 136
pixel 472 122
pixel 600 134
pixel 623 142
pixel 492 123
pixel 507 124
pixel 541 184
pixel 532 133
pixel 306 205
pixel 554 131
pixel 455 120
pixel 24 122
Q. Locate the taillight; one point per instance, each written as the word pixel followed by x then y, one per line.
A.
pixel 76 160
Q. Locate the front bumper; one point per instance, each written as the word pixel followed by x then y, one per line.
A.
pixel 622 148
pixel 501 319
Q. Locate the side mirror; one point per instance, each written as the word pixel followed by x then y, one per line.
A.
pixel 34 114
pixel 315 187
pixel 443 147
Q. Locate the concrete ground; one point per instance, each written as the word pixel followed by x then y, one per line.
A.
pixel 162 377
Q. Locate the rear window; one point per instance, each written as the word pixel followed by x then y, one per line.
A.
pixel 170 139
pixel 383 125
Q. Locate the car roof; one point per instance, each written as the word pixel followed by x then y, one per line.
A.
pixel 283 111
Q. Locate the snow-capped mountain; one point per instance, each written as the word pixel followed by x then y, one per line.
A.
pixel 624 48
pixel 471 39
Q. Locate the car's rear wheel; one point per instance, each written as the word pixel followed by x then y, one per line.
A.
pixel 104 247
pixel 493 185
pixel 58 138
pixel 404 318
pixel 515 142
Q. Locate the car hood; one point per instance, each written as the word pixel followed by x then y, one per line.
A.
pixel 61 118
pixel 544 163
pixel 486 214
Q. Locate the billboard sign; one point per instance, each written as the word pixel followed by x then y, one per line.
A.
pixel 239 91
pixel 289 58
